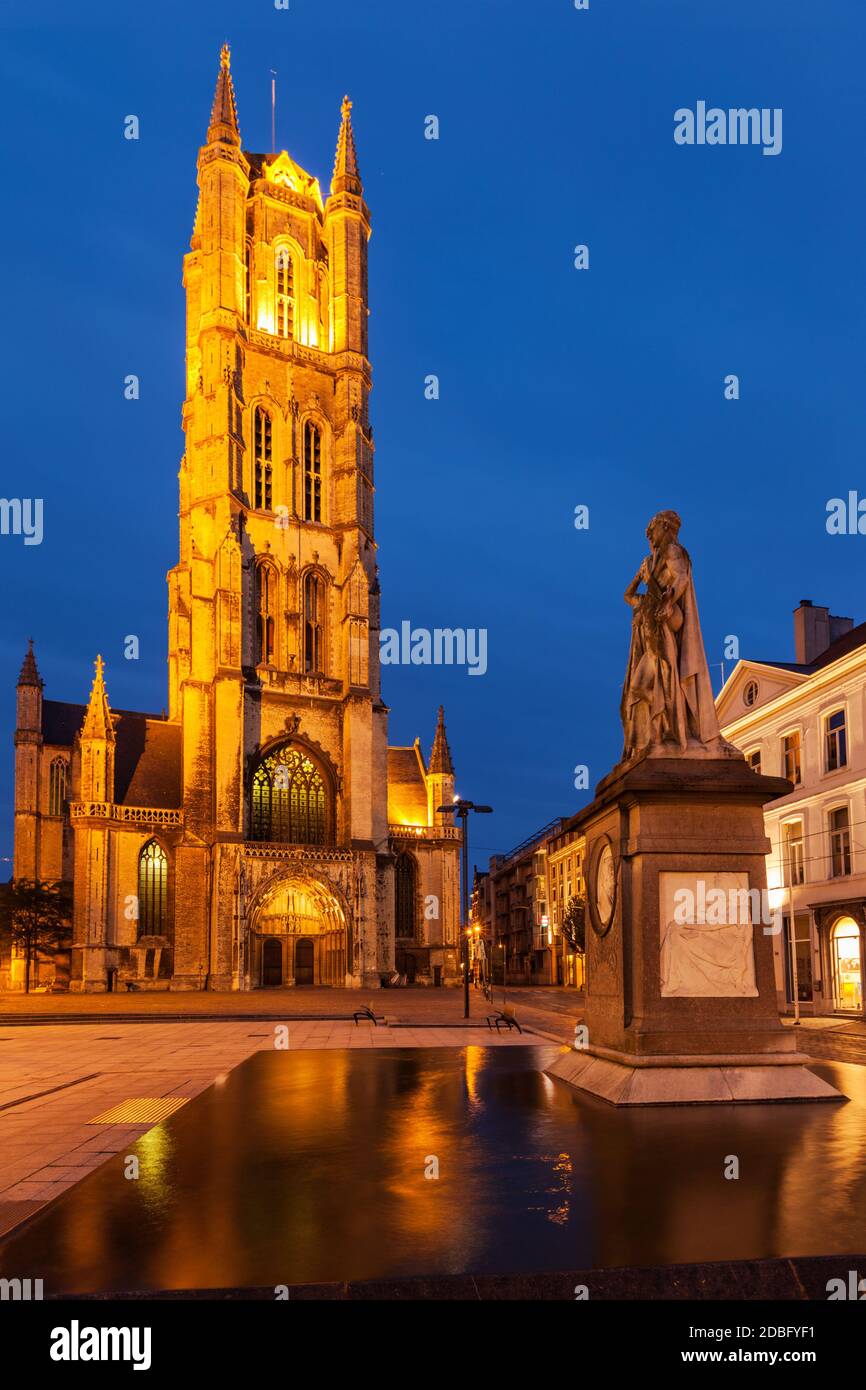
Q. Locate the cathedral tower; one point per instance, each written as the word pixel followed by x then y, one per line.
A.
pixel 261 833
pixel 274 601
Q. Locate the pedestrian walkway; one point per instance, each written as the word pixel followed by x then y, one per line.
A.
pixel 552 1010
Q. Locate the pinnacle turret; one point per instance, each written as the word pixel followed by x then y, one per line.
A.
pixel 29 673
pixel 97 720
pixel 347 175
pixel 440 755
pixel 223 126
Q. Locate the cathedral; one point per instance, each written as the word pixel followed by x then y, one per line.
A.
pixel 262 832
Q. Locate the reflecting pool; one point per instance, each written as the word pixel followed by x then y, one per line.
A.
pixel 318 1166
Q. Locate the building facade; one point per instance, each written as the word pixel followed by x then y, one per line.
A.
pixel 520 930
pixel 806 720
pixel 565 883
pixel 261 832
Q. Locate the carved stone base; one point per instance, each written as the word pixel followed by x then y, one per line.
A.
pixel 731 1080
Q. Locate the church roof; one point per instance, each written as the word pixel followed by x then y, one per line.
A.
pixel 147 753
pixel 407 787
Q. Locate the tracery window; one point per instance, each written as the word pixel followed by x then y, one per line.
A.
pixel 314 623
pixel 288 800
pixel 152 890
pixel 285 296
pixel 312 472
pixel 405 882
pixel 56 786
pixel 266 604
pixel 262 459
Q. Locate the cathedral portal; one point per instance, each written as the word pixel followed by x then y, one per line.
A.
pixel 299 935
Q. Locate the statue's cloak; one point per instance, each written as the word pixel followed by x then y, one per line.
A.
pixel 686 699
pixel 694 675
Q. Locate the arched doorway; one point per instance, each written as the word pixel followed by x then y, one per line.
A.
pixel 300 926
pixel 304 961
pixel 847 966
pixel 272 963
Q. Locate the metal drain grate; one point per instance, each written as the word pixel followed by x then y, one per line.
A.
pixel 142 1110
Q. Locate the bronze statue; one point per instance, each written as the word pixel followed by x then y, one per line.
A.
pixel 667 699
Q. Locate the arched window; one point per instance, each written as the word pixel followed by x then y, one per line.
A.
pixel 288 799
pixel 405 887
pixel 285 298
pixel 266 606
pixel 314 623
pixel 262 459
pixel 248 301
pixel 312 472
pixel 56 787
pixel 152 890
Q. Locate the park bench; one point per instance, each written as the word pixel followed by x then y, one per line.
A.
pixel 366 1013
pixel 504 1017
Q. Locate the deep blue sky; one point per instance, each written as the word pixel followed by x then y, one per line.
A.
pixel 557 387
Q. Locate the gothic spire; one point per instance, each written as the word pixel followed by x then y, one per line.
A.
pixel 97 720
pixel 223 126
pixel 347 175
pixel 440 755
pixel 29 673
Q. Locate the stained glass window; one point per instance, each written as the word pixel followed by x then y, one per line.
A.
pixel 152 890
pixel 405 875
pixel 288 799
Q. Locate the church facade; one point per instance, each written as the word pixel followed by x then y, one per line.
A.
pixel 261 832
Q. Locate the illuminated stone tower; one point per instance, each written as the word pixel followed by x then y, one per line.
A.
pixel 261 833
pixel 274 601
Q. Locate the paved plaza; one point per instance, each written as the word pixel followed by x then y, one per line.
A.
pixel 66 1060
pixel 56 1079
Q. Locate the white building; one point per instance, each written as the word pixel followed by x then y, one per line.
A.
pixel 806 720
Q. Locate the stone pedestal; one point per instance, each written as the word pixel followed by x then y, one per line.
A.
pixel 681 998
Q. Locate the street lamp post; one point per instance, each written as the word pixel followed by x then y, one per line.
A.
pixel 460 807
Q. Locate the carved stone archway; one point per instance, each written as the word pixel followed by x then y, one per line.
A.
pixel 294 905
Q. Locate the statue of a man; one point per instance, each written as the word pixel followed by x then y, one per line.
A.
pixel 667 698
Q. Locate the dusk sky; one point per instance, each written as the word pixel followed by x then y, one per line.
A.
pixel 558 387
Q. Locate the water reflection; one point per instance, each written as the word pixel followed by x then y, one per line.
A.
pixel 310 1166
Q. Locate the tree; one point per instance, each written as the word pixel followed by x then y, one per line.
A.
pixel 36 918
pixel 574 924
